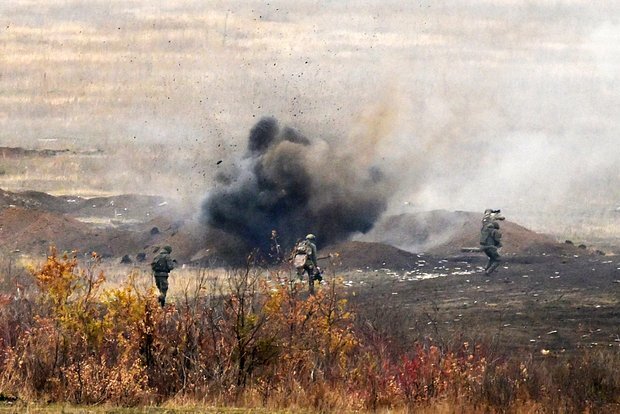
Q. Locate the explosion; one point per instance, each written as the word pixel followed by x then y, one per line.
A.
pixel 295 185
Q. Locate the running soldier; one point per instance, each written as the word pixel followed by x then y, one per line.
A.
pixel 490 242
pixel 305 261
pixel 161 265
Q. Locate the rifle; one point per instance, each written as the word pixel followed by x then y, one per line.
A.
pixel 329 256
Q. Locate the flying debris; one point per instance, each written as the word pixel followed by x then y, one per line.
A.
pixel 295 185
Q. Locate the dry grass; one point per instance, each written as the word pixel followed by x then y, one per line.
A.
pixel 383 373
pixel 71 409
pixel 185 282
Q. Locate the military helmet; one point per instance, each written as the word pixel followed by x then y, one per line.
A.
pixel 168 249
pixel 310 237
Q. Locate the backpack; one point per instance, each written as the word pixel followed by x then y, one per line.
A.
pixel 302 253
pixel 303 247
pixel 160 264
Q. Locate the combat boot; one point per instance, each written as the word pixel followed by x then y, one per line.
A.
pixel 492 268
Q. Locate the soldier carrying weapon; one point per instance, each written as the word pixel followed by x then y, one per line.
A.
pixel 305 261
pixel 490 239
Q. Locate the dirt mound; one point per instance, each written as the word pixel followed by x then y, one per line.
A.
pixel 19 152
pixel 44 201
pixel 368 255
pixel 126 206
pixel 185 236
pixel 515 238
pixel 111 226
pixel 443 232
pixel 122 207
pixel 29 200
pixel 35 230
pixel 219 248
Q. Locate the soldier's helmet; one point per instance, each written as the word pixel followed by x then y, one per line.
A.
pixel 168 249
pixel 310 237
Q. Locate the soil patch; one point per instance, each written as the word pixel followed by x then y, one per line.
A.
pixel 530 305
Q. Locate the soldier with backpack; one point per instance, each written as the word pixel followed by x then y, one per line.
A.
pixel 161 265
pixel 304 260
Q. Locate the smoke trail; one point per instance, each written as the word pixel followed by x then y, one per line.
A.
pixel 295 185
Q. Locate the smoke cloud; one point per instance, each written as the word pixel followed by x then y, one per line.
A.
pixel 295 185
pixel 464 105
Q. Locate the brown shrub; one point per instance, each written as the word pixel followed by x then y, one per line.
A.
pixel 243 341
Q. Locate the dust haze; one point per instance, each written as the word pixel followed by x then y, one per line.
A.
pixel 460 105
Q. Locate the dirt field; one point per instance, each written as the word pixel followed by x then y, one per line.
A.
pixel 549 297
pixel 544 305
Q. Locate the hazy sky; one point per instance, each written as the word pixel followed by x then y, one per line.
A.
pixel 466 104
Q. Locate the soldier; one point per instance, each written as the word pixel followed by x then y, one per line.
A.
pixel 305 261
pixel 490 241
pixel 162 264
pixel 275 251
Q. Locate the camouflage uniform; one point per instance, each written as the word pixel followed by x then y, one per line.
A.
pixel 161 273
pixel 275 251
pixel 310 266
pixel 490 241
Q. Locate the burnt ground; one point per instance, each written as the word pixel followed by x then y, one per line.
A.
pixel 532 303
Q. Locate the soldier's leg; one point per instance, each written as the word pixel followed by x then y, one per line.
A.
pixel 492 268
pixel 489 258
pixel 495 261
pixel 310 271
pixel 495 264
pixel 317 276
pixel 162 285
pixel 158 284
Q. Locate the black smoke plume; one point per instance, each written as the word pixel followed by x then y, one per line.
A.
pixel 295 185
